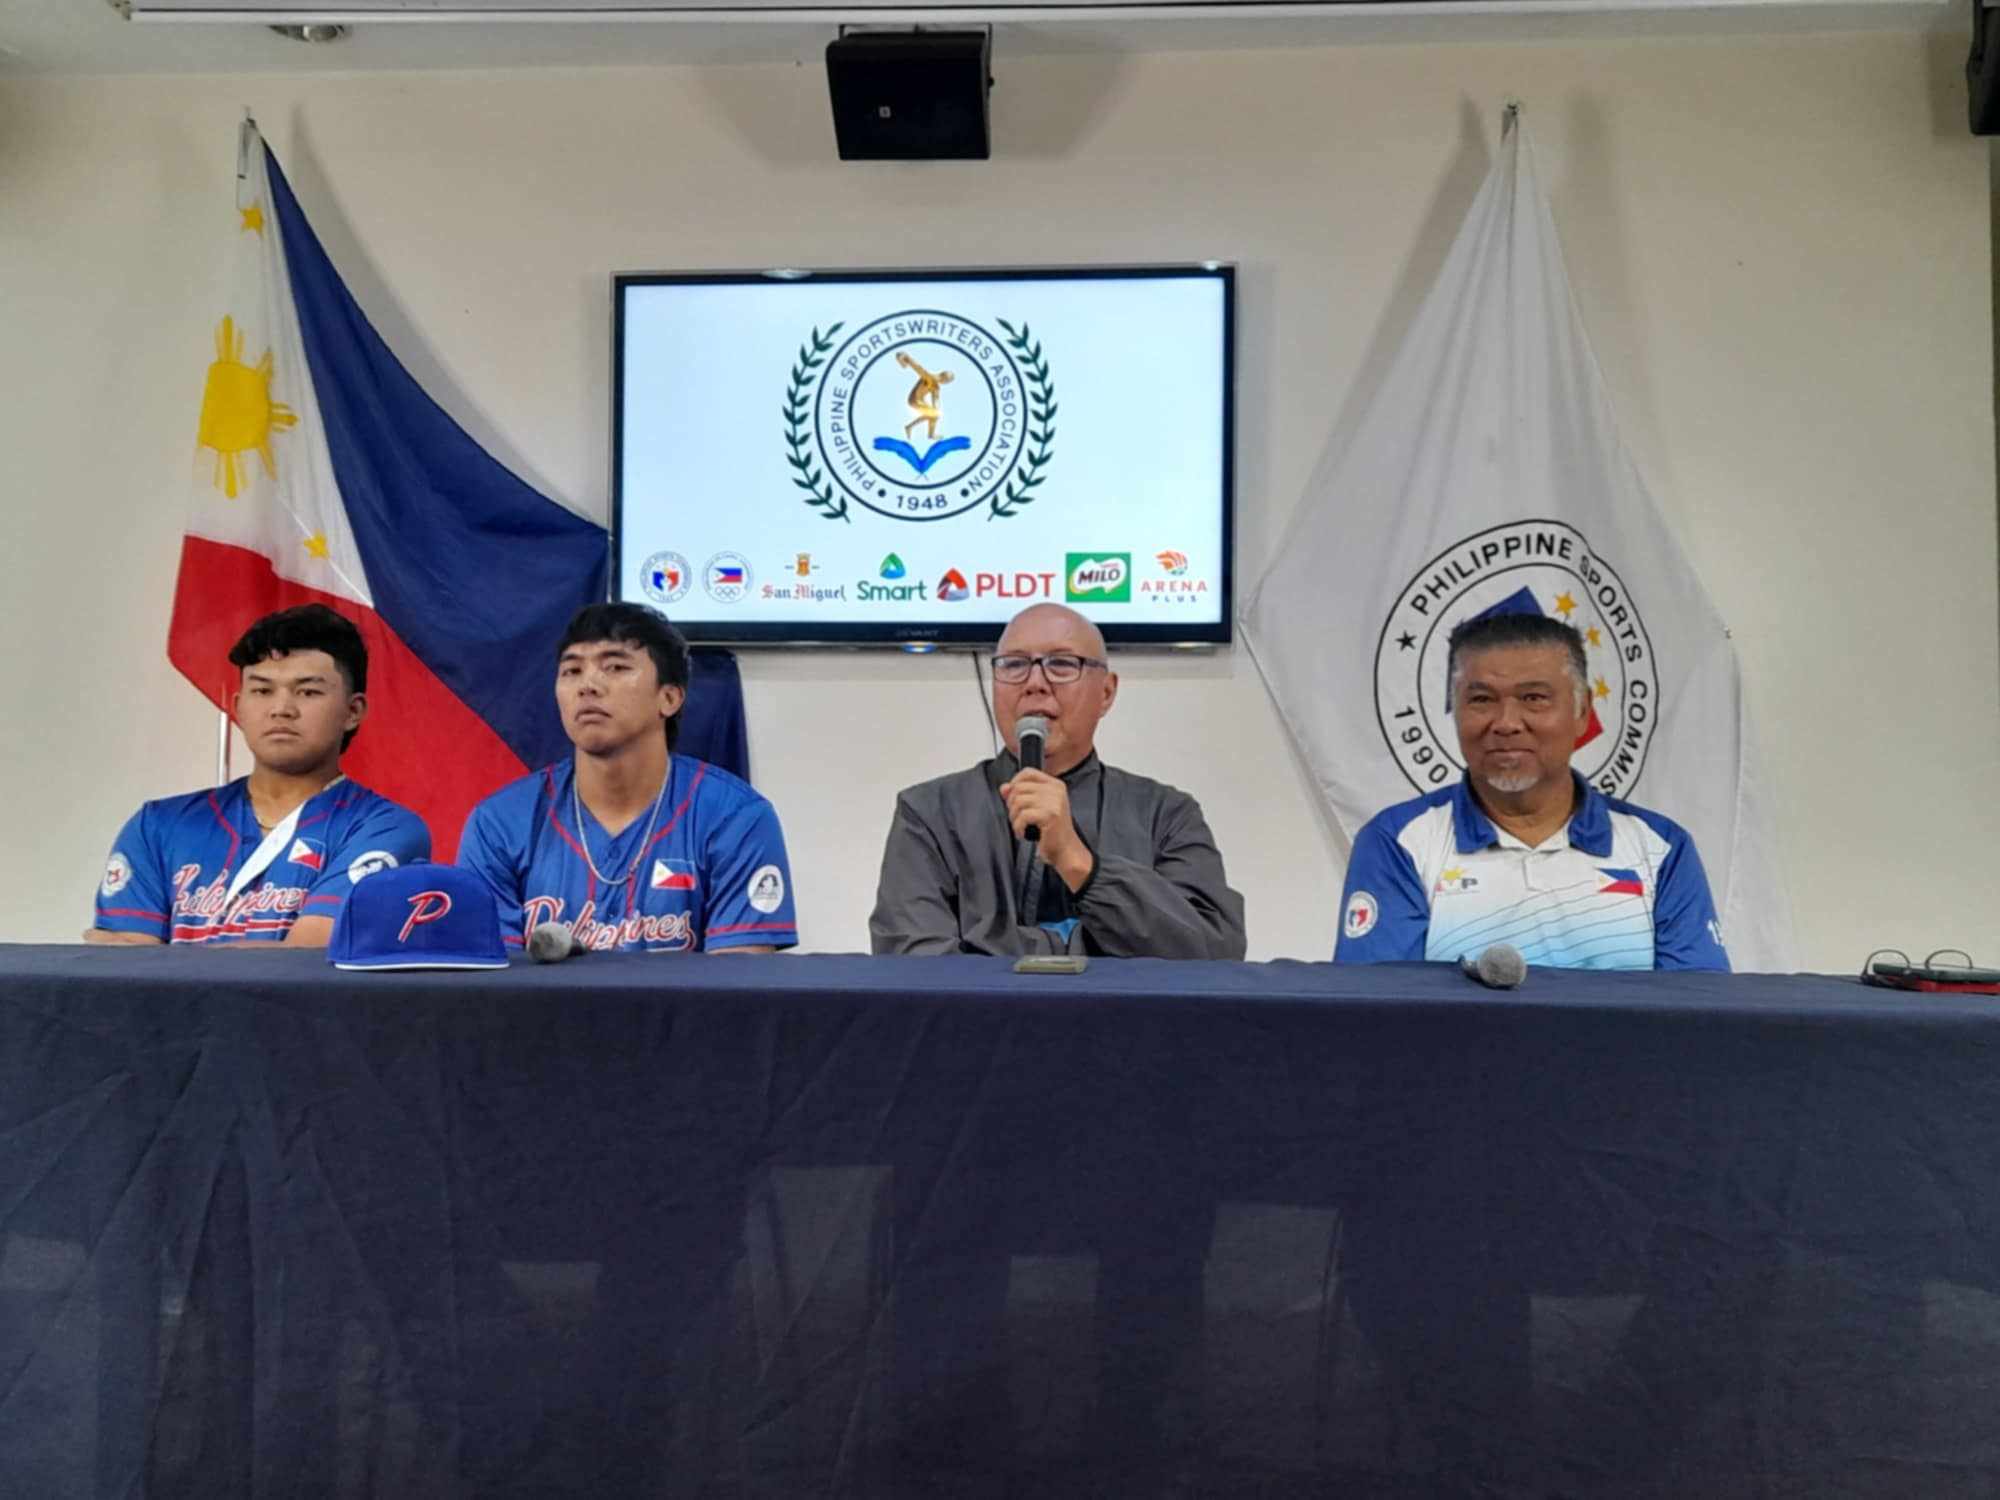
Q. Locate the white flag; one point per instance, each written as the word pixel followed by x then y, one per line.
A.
pixel 1487 474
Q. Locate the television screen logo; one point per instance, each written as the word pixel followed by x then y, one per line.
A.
pixel 1098 577
pixel 727 577
pixel 666 577
pixel 953 589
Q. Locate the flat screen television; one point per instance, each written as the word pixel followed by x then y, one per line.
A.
pixel 899 457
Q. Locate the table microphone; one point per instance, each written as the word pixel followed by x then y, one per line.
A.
pixel 1500 967
pixel 1031 733
pixel 551 943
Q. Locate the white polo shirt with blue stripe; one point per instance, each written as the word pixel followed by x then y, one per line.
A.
pixel 1617 887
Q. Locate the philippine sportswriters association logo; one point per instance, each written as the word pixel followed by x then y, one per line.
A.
pixel 920 416
pixel 1527 567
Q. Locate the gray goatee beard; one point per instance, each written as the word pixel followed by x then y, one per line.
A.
pixel 1514 781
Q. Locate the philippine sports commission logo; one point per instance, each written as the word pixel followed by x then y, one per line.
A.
pixel 666 577
pixel 920 416
pixel 1528 567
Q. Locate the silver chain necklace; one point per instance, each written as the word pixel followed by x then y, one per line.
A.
pixel 645 839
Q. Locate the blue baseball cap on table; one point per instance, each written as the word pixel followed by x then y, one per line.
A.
pixel 419 917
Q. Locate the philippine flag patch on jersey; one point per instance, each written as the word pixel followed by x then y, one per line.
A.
pixel 308 852
pixel 1621 882
pixel 672 875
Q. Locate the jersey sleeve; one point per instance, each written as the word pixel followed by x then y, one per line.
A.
pixel 1686 932
pixel 1385 916
pixel 749 881
pixel 133 894
pixel 484 846
pixel 383 837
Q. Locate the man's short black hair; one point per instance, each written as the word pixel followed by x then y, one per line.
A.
pixel 308 627
pixel 1493 632
pixel 634 625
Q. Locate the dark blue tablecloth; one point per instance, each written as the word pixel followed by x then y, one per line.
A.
pixel 817 1226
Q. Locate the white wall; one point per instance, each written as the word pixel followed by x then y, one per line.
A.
pixel 1781 247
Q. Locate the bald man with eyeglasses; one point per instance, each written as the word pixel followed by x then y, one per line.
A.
pixel 1121 866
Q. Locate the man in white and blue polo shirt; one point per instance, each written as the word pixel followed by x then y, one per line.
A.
pixel 1521 851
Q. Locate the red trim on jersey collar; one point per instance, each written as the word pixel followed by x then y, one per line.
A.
pixel 549 773
pixel 235 835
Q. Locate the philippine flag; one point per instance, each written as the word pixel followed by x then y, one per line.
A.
pixel 672 875
pixel 1620 882
pixel 307 852
pixel 325 475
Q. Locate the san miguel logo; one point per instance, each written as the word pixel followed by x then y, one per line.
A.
pixel 920 416
pixel 1528 567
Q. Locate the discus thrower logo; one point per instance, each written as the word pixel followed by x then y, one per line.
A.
pixel 1525 567
pixel 665 577
pixel 920 415
pixel 1105 577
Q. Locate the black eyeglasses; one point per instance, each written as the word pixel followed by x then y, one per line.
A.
pixel 1059 668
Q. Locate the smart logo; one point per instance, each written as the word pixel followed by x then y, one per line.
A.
pixel 895 588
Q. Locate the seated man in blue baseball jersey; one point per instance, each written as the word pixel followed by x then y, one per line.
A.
pixel 626 844
pixel 268 859
pixel 1521 851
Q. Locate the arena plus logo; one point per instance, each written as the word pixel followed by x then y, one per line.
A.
pixel 920 416
pixel 1527 567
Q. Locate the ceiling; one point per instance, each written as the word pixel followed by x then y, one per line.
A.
pixel 82 37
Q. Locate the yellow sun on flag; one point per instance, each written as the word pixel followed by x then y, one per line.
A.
pixel 237 412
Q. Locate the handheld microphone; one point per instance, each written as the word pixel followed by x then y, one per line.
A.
pixel 1031 732
pixel 1500 967
pixel 551 943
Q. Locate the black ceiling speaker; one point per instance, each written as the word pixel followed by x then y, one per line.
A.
pixel 910 95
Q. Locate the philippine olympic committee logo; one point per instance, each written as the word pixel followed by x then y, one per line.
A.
pixel 919 416
pixel 1526 567
pixel 727 577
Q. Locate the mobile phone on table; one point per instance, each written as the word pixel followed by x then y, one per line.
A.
pixel 1051 963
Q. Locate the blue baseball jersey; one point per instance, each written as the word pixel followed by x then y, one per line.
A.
pixel 709 873
pixel 1617 887
pixel 171 868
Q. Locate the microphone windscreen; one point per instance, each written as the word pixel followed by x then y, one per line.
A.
pixel 550 943
pixel 1031 733
pixel 1502 967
